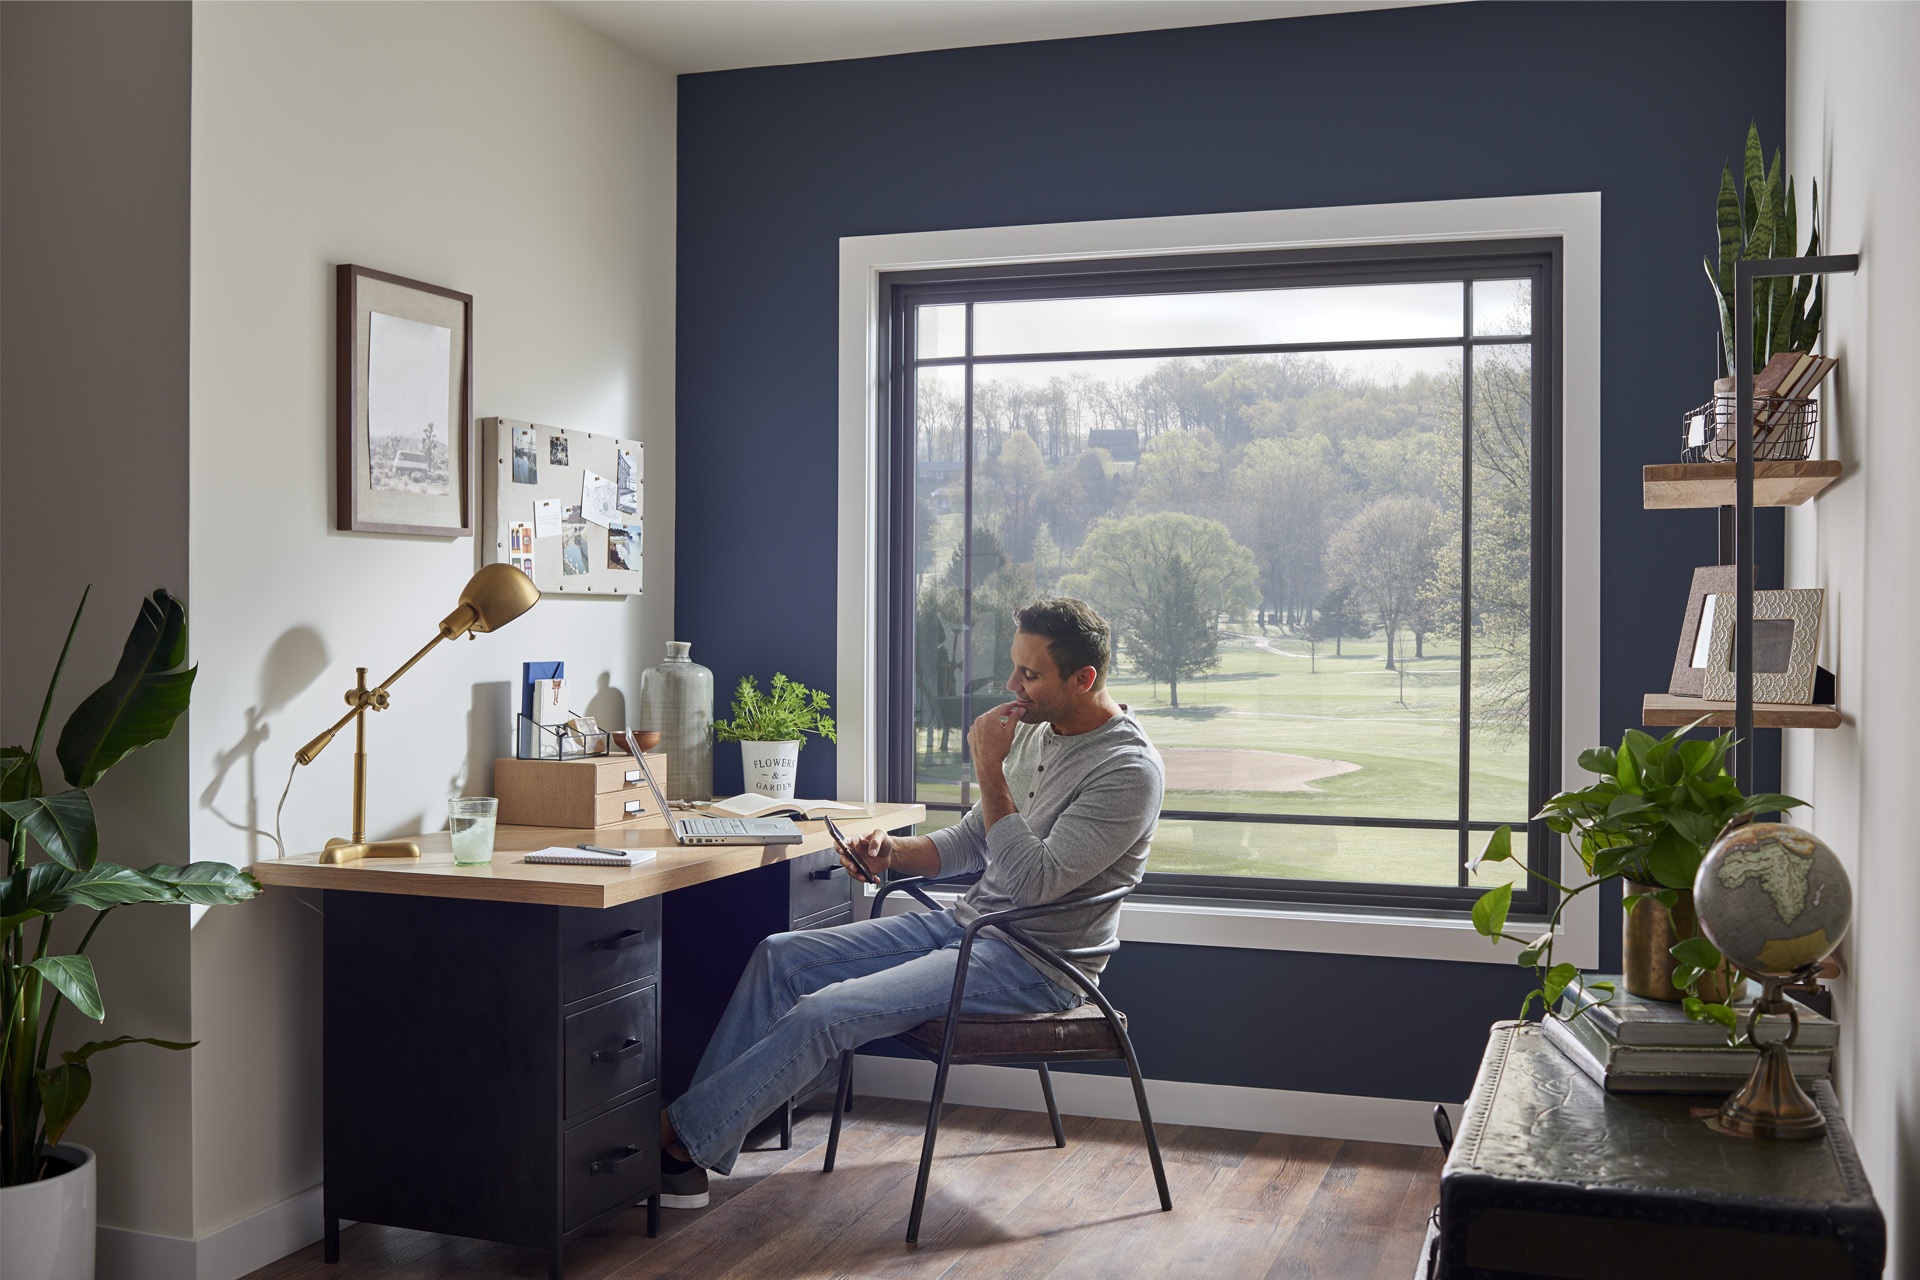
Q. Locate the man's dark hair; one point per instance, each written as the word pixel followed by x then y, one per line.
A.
pixel 1076 636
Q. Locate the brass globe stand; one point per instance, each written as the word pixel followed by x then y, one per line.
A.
pixel 1771 1104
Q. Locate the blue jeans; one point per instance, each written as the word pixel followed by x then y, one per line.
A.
pixel 807 997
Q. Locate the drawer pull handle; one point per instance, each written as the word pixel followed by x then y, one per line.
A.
pixel 627 1050
pixel 633 777
pixel 619 941
pixel 827 873
pixel 612 1163
pixel 633 806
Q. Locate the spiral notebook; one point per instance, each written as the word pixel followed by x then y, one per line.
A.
pixel 586 858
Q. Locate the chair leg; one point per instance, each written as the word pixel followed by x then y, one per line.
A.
pixel 1053 1110
pixel 840 1093
pixel 849 1088
pixel 926 1151
pixel 1146 1120
pixel 786 1125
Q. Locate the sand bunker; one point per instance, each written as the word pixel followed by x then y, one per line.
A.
pixel 1220 769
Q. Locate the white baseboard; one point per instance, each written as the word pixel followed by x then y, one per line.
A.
pixel 1221 1106
pixel 226 1254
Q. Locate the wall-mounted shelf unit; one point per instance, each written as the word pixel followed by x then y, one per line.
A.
pixel 1667 710
pixel 1737 487
pixel 1670 486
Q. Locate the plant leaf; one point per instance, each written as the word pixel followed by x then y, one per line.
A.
pixel 78 1057
pixel 1697 952
pixel 61 824
pixel 1768 802
pixel 140 704
pixel 1490 913
pixel 210 884
pixel 1598 760
pixel 1672 860
pixel 1499 848
pixel 106 885
pixel 63 1091
pixel 1556 982
pixel 72 977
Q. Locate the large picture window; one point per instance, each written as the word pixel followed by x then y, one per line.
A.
pixel 1313 496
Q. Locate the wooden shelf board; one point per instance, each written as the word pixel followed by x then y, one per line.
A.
pixel 1670 485
pixel 1665 709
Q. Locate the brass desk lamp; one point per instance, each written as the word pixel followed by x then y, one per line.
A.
pixel 492 598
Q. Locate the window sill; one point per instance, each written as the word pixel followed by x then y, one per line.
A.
pixel 1263 927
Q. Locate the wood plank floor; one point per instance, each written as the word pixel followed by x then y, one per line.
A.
pixel 1004 1202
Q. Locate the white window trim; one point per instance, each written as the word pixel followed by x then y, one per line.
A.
pixel 1574 218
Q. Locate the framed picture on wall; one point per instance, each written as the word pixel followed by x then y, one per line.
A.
pixel 404 389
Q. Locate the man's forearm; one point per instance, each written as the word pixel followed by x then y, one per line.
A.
pixel 996 798
pixel 913 856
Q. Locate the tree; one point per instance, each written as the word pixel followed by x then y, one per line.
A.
pixel 1338 620
pixel 1179 471
pixel 1282 497
pixel 1015 477
pixel 1163 581
pixel 1386 553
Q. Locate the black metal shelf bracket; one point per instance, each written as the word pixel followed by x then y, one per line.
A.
pixel 1744 274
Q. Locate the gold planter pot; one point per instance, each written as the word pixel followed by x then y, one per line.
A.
pixel 1647 936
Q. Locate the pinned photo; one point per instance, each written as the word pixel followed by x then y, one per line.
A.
pixel 526 455
pixel 520 540
pixel 546 518
pixel 524 564
pixel 627 477
pixel 597 497
pixel 557 450
pixel 575 558
pixel 623 547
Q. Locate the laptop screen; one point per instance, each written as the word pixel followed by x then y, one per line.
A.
pixel 659 798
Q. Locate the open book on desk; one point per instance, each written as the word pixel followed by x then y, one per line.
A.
pixel 751 805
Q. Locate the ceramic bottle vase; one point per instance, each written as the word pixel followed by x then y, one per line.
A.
pixel 676 698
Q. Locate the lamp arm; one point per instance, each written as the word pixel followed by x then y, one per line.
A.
pixel 405 667
pixel 308 753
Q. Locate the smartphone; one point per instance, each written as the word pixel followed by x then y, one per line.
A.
pixel 846 851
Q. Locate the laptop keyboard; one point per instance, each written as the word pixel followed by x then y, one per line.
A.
pixel 713 826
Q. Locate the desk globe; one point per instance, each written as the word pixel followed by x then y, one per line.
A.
pixel 1776 901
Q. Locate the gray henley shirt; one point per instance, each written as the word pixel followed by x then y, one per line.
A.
pixel 1086 808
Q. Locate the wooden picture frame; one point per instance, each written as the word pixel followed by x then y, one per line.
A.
pixel 390 332
pixel 1690 656
pixel 1793 682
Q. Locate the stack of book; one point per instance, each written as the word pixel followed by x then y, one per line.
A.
pixel 1631 1045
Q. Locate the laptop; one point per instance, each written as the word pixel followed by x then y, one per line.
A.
pixel 714 830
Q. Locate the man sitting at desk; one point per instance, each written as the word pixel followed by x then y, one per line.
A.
pixel 1069 795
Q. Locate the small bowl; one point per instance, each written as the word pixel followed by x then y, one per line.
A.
pixel 648 739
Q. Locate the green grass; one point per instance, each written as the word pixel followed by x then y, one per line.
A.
pixel 1268 694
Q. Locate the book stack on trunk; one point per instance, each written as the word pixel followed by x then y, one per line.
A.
pixel 1628 1044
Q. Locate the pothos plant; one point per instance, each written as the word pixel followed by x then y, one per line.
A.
pixel 1655 808
pixel 139 705
pixel 785 713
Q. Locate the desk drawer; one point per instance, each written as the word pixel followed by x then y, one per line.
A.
pixel 613 1160
pixel 604 949
pixel 611 1049
pixel 816 882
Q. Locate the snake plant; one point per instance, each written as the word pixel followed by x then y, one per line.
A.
pixel 1756 219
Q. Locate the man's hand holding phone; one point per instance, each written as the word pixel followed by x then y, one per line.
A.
pixel 866 857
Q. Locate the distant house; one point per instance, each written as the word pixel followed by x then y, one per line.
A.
pixel 1122 443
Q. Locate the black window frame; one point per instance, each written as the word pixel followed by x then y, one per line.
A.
pixel 1540 260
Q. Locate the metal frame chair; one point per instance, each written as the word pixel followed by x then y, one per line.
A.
pixel 947 1056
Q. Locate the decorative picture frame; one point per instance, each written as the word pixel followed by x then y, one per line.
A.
pixel 403 432
pixel 1793 681
pixel 1690 655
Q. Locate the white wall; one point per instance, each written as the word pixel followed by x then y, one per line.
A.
pixel 93 471
pixel 1852 99
pixel 499 149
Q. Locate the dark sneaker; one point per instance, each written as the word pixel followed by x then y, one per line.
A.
pixel 682 1185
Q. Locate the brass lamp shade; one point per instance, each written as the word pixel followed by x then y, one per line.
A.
pixel 492 598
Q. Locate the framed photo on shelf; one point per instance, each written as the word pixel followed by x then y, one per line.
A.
pixel 403 373
pixel 1786 641
pixel 1710 584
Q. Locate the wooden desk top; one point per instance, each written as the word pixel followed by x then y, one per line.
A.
pixel 508 879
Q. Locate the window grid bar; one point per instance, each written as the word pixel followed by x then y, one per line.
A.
pixel 966 564
pixel 1286 819
pixel 1466 579
pixel 1249 349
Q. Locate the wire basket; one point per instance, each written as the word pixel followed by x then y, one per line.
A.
pixel 1782 430
pixel 559 741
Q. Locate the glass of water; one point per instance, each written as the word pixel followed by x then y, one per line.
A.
pixel 471 819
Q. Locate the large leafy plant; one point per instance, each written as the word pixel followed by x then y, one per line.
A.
pixel 784 713
pixel 1655 808
pixel 139 705
pixel 1756 220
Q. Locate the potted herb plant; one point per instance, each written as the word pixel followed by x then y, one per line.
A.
pixel 1655 807
pixel 46 1187
pixel 771 727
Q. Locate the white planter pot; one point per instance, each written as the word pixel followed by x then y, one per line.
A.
pixel 770 767
pixel 46 1227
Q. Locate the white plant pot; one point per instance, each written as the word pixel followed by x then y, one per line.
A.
pixel 46 1227
pixel 770 767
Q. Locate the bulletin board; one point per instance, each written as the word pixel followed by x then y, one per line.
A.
pixel 564 506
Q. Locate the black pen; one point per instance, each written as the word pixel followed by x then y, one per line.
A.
pixel 597 848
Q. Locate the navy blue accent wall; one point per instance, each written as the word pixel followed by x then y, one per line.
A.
pixel 1641 102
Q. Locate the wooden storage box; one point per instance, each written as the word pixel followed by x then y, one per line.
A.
pixel 600 791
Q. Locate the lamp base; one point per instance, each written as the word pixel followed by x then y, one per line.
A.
pixel 338 850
